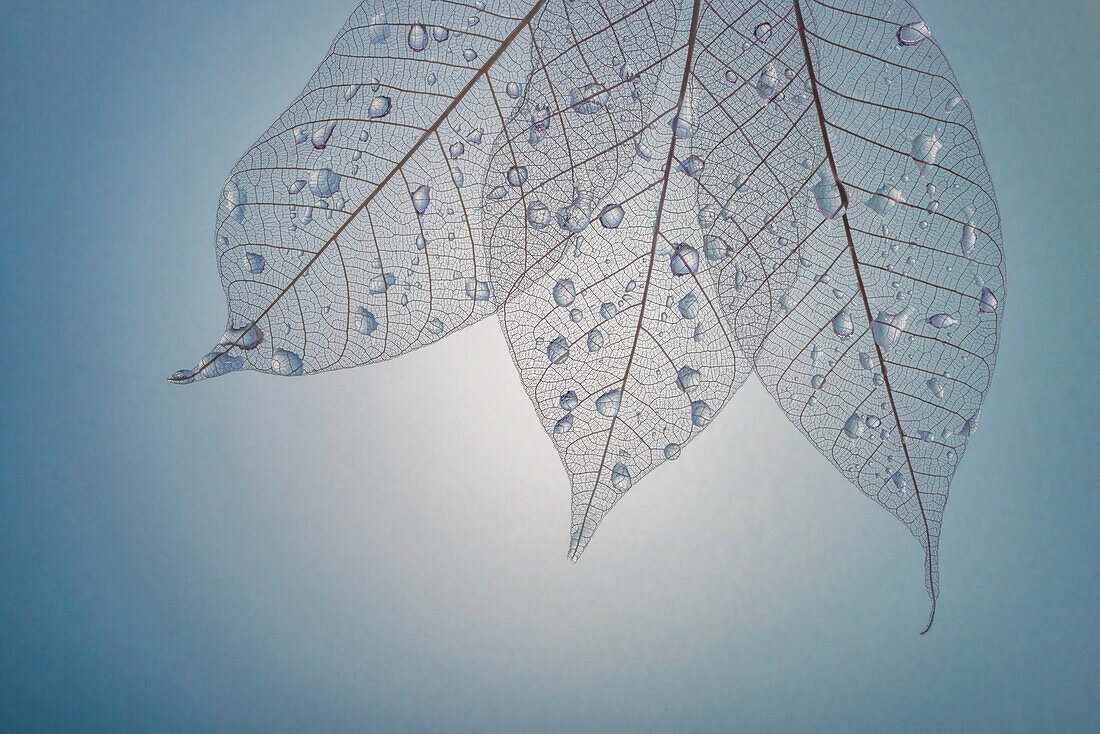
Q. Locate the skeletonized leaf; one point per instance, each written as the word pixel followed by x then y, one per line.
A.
pixel 349 232
pixel 605 298
pixel 867 293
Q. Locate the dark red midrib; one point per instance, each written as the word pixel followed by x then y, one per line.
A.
pixel 649 273
pixel 523 23
pixel 863 296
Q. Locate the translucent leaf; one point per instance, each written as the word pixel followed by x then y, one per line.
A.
pixel 872 279
pixel 346 235
pixel 609 300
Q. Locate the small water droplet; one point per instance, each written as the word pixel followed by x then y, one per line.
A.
pixel 421 197
pixel 620 477
pixel 564 292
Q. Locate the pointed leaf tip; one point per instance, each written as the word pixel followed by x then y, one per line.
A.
pixel 182 377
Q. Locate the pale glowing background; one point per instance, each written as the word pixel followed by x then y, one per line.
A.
pixel 383 549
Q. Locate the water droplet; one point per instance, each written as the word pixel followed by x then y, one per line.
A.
pixel 564 424
pixel 235 199
pixel 684 259
pixel 987 302
pixel 620 477
pixel 477 290
pixel 843 325
pixel 538 214
pixel 351 91
pixel 246 337
pixel 900 481
pixel 912 34
pixel 611 216
pixel 469 54
pixel 569 401
pixel 595 340
pixel 714 247
pixel 564 292
pixel 968 239
pixel 512 89
pixel 297 186
pixel 440 34
pixel 256 262
pixel 381 283
pixel 688 379
pixel 885 199
pixel 854 426
pixel 693 166
pixel 421 197
pixel 608 404
pixel 887 328
pixel 379 107
pixel 951 104
pixel 767 84
pixel 286 363
pixel 817 381
pixel 608 310
pixel 322 134
pixel 672 451
pixel 516 175
pixel 418 37
pixel 573 218
pixel 588 99
pixel 830 201
pixel 435 326
pixel 365 323
pixel 763 32
pixel 942 321
pixel 701 413
pixel 925 149
pixel 935 387
pixel 689 309
pixel 496 193
pixel 558 351
pixel 324 182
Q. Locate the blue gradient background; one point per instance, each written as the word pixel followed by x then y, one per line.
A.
pixel 383 549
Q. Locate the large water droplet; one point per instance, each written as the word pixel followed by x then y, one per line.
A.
pixel 672 451
pixel 925 149
pixel 477 290
pixel 688 379
pixel 942 320
pixel 246 337
pixel 379 107
pixel 701 413
pixel 693 166
pixel 968 239
pixel 588 99
pixel 684 259
pixel 322 134
pixel 767 84
pixel 987 302
pixel 854 426
pixel 516 175
pixel 763 32
pixel 608 403
pixel 285 362
pixel 564 292
pixel 595 340
pixel 887 328
pixel 885 199
pixel 569 400
pixel 421 197
pixel 912 34
pixel 611 216
pixel 365 322
pixel 689 309
pixel 324 182
pixel 418 37
pixel 558 351
pixel 235 199
pixel 538 214
pixel 256 262
pixel 843 326
pixel 830 201
pixel 620 477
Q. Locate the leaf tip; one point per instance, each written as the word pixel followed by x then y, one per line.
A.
pixel 931 618
pixel 182 377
